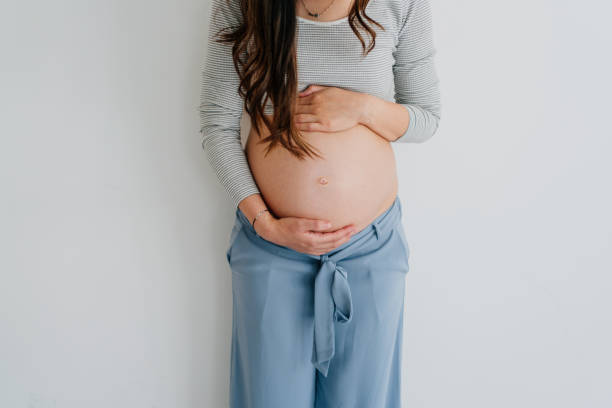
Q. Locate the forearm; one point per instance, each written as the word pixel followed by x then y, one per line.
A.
pixel 229 162
pixel 388 119
pixel 251 206
pixel 416 79
pixel 398 122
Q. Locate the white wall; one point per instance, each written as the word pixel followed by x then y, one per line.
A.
pixel 114 291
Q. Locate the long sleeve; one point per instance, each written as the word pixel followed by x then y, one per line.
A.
pixel 221 108
pixel 416 79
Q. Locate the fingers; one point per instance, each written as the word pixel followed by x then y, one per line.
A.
pixel 302 107
pixel 311 224
pixel 311 127
pixel 321 242
pixel 318 249
pixel 314 239
pixel 308 99
pixel 305 117
pixel 328 237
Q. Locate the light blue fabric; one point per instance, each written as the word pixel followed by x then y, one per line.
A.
pixel 318 331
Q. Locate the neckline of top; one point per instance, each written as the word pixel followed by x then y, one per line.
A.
pixel 314 22
pixel 328 23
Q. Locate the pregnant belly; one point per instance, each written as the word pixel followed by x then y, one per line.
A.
pixel 354 182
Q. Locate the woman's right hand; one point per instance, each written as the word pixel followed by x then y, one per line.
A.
pixel 305 235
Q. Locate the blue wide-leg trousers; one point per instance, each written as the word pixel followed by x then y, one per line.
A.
pixel 321 331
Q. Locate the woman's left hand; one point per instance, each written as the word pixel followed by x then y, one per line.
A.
pixel 328 109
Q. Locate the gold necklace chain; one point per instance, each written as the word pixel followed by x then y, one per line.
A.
pixel 316 15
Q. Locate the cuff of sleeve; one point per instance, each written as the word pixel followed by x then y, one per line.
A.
pixel 239 192
pixel 423 124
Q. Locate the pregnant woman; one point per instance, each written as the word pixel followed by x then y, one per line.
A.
pixel 318 252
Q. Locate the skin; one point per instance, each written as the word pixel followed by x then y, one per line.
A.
pixel 324 110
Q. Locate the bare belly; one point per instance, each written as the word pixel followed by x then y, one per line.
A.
pixel 358 166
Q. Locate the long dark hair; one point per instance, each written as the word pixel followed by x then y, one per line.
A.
pixel 264 55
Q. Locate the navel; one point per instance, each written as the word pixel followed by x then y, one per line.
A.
pixel 323 180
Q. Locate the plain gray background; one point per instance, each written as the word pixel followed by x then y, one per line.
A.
pixel 114 288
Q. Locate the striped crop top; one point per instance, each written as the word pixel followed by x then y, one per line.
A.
pixel 400 68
